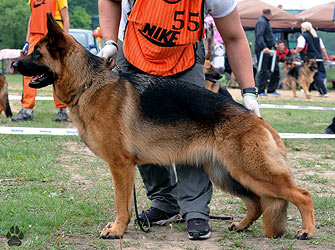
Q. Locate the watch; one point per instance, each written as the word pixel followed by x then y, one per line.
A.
pixel 252 90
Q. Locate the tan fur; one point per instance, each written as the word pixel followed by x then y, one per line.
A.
pixel 3 94
pixel 105 109
pixel 305 79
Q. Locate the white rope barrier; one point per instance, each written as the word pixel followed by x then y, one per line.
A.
pixel 280 106
pixel 73 131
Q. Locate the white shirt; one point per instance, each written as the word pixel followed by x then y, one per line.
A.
pixel 301 42
pixel 216 8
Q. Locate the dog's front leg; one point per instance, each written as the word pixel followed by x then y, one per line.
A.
pixel 123 180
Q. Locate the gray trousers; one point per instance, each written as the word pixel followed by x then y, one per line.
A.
pixel 192 193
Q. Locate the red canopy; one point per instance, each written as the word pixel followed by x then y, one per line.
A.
pixel 251 10
pixel 320 16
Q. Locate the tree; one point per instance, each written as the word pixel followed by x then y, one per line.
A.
pixel 79 18
pixel 91 6
pixel 14 16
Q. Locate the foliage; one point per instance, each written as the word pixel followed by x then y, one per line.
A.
pixel 91 6
pixel 14 16
pixel 80 18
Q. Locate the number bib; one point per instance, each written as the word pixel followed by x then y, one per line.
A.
pixel 161 35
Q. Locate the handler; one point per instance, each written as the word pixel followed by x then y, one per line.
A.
pixel 165 38
pixel 310 45
pixel 37 28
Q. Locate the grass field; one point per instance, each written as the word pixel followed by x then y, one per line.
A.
pixel 60 195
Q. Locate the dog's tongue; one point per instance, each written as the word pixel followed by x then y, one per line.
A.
pixel 34 78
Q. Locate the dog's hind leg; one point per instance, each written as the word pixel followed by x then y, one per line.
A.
pixel 8 110
pixel 274 216
pixel 302 199
pixel 222 179
pixel 254 212
pixel 123 180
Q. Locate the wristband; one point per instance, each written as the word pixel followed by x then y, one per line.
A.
pixel 252 90
pixel 111 42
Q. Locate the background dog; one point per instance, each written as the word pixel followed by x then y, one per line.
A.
pixel 288 64
pixel 4 101
pixel 137 119
pixel 212 79
pixel 302 76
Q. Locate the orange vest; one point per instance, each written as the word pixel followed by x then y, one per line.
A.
pixel 161 35
pixel 38 17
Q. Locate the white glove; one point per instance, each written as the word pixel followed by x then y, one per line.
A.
pixel 109 51
pixel 249 101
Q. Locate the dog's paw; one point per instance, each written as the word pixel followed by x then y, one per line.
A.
pixel 109 232
pixel 14 236
pixel 235 226
pixel 302 235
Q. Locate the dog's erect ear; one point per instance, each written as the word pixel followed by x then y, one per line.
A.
pixel 55 32
pixel 306 59
pixel 55 35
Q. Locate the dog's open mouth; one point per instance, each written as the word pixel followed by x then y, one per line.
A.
pixel 41 80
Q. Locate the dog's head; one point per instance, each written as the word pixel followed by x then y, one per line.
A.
pixel 210 73
pixel 46 63
pixel 311 64
pixel 288 60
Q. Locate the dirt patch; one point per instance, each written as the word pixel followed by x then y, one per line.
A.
pixel 174 236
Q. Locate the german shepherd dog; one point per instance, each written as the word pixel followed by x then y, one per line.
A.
pixel 4 101
pixel 302 76
pixel 138 119
pixel 212 77
pixel 288 64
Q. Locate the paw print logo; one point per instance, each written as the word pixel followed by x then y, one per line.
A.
pixel 14 236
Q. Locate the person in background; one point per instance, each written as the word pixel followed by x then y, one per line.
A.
pixel 310 45
pixel 282 54
pixel 177 53
pixel 37 28
pixel 264 42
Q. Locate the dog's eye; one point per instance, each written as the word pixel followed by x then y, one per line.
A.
pixel 38 54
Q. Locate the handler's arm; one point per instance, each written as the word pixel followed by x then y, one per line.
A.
pixel 66 20
pixel 237 48
pixel 109 18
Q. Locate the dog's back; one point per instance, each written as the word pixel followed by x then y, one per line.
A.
pixel 4 102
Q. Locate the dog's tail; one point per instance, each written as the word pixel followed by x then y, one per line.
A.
pixel 274 216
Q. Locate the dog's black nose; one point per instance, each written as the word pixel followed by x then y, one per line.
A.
pixel 15 65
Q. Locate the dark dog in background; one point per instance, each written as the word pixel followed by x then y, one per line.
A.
pixel 135 119
pixel 212 79
pixel 302 76
pixel 289 64
pixel 4 101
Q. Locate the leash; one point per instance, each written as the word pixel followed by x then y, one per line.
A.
pixel 141 225
pixel 146 229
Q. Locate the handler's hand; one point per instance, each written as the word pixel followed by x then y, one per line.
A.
pixel 109 52
pixel 249 101
pixel 266 50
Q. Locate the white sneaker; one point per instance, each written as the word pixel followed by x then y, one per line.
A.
pixel 324 96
